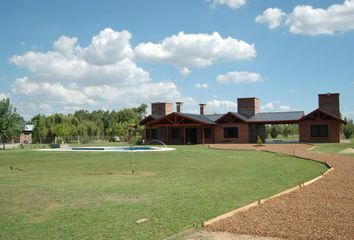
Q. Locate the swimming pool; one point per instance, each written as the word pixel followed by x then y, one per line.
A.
pixel 111 149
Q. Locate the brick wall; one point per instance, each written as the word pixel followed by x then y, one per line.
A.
pixel 333 131
pixel 242 133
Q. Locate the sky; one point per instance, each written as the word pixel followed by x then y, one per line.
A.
pixel 62 56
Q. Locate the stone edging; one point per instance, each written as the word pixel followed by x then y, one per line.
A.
pixel 261 201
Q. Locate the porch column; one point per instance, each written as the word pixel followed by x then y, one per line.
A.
pixel 202 135
pixel 166 135
pixel 184 135
pixel 213 134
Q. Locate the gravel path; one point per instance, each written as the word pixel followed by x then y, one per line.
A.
pixel 322 210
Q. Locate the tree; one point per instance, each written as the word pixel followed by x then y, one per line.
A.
pixel 273 132
pixel 11 123
pixel 348 128
pixel 62 130
pixel 40 130
pixel 285 131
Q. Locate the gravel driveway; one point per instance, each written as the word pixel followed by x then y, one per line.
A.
pixel 322 210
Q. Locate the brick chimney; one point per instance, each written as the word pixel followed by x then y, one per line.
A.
pixel 329 102
pixel 248 106
pixel 179 107
pixel 161 109
pixel 202 108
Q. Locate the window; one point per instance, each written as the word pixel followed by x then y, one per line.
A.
pixel 176 133
pixel 319 130
pixel 231 132
pixel 154 133
pixel 147 133
pixel 207 132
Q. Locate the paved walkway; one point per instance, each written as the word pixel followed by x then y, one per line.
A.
pixel 322 210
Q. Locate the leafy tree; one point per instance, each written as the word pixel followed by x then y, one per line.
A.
pixel 273 132
pixel 62 130
pixel 11 123
pixel 348 128
pixel 40 130
pixel 285 131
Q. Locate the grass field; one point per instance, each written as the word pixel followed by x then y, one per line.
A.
pixel 334 147
pixel 78 195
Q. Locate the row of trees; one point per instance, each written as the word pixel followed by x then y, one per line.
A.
pixel 85 125
pixel 284 130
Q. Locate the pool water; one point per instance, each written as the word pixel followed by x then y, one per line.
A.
pixel 113 149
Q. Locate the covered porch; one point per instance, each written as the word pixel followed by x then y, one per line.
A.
pixel 178 128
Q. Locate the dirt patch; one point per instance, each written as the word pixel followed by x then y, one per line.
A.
pixel 347 150
pixel 207 235
pixel 322 210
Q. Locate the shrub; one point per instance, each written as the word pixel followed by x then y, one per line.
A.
pixel 348 129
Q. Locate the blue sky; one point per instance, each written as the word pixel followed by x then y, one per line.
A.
pixel 60 56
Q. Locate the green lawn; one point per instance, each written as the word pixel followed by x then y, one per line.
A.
pixel 334 147
pixel 78 195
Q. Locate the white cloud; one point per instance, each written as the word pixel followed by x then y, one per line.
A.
pixel 195 50
pixel 49 92
pixel 274 17
pixel 238 77
pixel 2 96
pixel 284 108
pixel 220 106
pixel 98 63
pixel 306 20
pixel 185 71
pixel 201 85
pixel 269 106
pixel 275 106
pixel 102 74
pixel 314 21
pixel 235 4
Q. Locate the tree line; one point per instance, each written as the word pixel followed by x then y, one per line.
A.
pixel 83 125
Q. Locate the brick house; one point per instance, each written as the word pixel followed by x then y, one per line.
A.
pixel 243 126
pixel 26 134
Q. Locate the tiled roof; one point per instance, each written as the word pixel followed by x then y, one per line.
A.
pixel 240 116
pixel 214 117
pixel 270 117
pixel 199 118
pixel 28 128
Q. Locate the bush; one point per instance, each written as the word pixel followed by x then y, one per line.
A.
pixel 259 141
pixel 348 129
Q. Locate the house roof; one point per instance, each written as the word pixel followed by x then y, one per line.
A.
pixel 200 118
pixel 28 128
pixel 277 117
pixel 319 110
pixel 264 118
pixel 214 117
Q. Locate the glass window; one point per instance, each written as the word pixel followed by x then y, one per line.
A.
pixel 154 133
pixel 176 133
pixel 230 132
pixel 207 132
pixel 319 130
pixel 147 133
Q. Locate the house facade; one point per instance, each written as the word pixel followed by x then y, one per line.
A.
pixel 244 126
